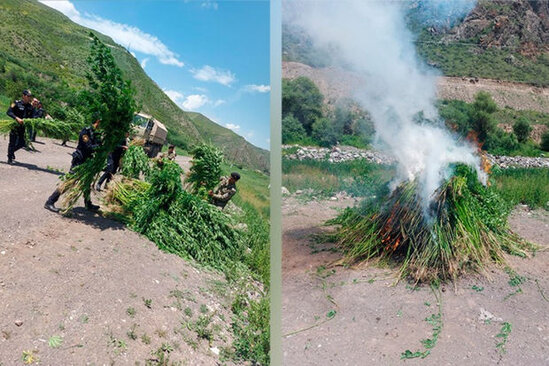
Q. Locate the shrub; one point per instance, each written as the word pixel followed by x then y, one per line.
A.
pixel 545 141
pixel 522 129
pixel 482 121
pixel 292 130
pixel 302 99
pixel 324 133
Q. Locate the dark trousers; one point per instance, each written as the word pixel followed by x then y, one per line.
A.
pixel 32 134
pixel 17 140
pixel 112 167
pixel 54 197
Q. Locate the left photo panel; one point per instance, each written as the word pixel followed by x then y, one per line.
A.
pixel 134 182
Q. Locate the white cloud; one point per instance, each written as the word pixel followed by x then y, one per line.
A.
pixel 195 101
pixel 209 4
pixel 249 135
pixel 233 127
pixel 219 102
pixel 144 62
pixel 253 88
pixel 174 95
pixel 64 6
pixel 123 34
pixel 208 73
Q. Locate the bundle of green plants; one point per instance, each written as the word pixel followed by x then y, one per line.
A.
pixel 135 162
pixel 206 167
pixel 50 128
pixel 177 221
pixel 122 191
pixel 463 228
pixel 111 97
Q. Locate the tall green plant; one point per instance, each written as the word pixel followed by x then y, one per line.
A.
pixel 112 97
pixel 206 167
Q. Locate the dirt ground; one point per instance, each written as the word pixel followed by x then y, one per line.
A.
pixel 336 83
pixel 338 316
pixel 110 295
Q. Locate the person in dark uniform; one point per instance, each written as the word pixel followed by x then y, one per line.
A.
pixel 113 162
pixel 88 142
pixel 38 112
pixel 19 110
pixel 225 191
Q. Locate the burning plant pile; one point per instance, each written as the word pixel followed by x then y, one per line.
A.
pixel 463 228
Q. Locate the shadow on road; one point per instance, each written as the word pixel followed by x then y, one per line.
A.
pixel 33 167
pixel 95 220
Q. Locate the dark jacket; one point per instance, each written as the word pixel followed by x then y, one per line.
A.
pixel 39 113
pixel 20 109
pixel 88 142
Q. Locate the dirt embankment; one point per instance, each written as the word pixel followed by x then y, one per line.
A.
pixel 336 84
pixel 109 294
pixel 355 316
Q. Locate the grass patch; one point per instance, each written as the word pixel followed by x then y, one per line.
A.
pixel 356 177
pixel 467 59
pixel 528 186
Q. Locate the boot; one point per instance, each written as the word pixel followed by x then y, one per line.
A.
pixel 50 203
pixel 90 206
pixel 51 207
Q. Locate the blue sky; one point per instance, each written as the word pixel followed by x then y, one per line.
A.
pixel 208 56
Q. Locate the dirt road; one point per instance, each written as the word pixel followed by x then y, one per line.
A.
pixel 338 316
pixel 110 295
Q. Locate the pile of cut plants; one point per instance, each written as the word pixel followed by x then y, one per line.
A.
pixel 464 228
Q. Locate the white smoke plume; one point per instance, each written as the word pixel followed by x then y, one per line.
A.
pixel 373 41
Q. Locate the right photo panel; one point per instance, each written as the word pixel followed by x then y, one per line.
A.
pixel 415 174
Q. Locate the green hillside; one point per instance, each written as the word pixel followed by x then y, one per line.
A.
pixel 42 49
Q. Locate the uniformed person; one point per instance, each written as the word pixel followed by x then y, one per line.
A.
pixel 170 154
pixel 113 163
pixel 19 110
pixel 38 112
pixel 225 191
pixel 88 142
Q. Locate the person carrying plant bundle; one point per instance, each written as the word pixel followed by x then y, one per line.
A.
pixel 19 110
pixel 170 154
pixel 113 162
pixel 38 112
pixel 88 142
pixel 225 191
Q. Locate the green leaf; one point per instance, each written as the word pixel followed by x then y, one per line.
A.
pixel 55 341
pixel 331 314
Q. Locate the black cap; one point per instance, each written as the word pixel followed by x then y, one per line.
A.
pixel 235 175
pixel 171 147
pixel 27 92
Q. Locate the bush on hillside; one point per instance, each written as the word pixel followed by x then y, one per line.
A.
pixel 522 129
pixel 292 130
pixel 302 99
pixel 545 141
pixel 482 121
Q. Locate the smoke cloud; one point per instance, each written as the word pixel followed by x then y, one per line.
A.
pixel 373 41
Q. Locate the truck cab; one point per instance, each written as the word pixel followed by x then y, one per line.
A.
pixel 152 131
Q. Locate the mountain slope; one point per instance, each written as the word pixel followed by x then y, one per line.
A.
pixel 43 49
pixel 498 39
